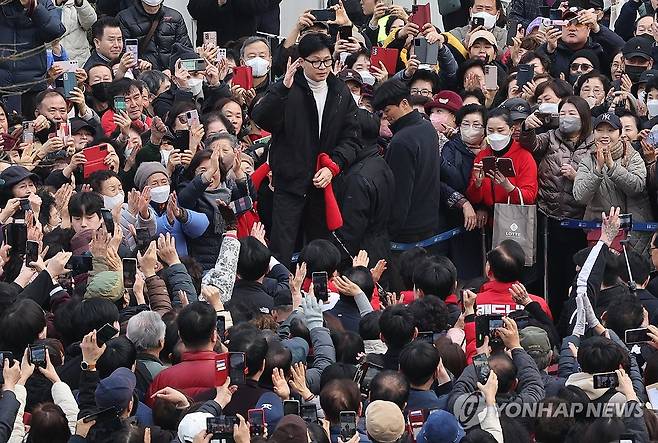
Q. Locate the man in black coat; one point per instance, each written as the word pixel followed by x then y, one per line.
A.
pixel 312 117
pixel 365 194
pixel 136 21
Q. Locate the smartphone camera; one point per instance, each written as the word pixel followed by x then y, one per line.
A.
pixel 37 355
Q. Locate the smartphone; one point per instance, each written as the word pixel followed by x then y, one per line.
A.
pixel 347 425
pixel 221 54
pixel 626 222
pixel 6 355
pixel 627 438
pixel 488 165
pixel 220 326
pixel 505 166
pixel 426 336
pixel 10 143
pixel 416 420
pixel 256 421
pixel 16 237
pixel 243 77
pixel 427 54
pixel 80 264
pixel 345 32
pixel 221 369
pixel 309 413
pixel 486 325
pixel 365 375
pixel 491 77
pixel 143 238
pixel 64 131
pixel 31 252
pixel 106 333
pixel 524 75
pixel 210 38
pixel 95 156
pixel 387 56
pixel 108 220
pixel 221 427
pixel 323 15
pixel 639 335
pixel 243 204
pixel 320 288
pixel 605 380
pixel 132 46
pixel 70 82
pixel 545 11
pixel 129 271
pixel 120 104
pixel 181 140
pixel 194 65
pixel 28 132
pixel 192 118
pixel 420 15
pixel 482 369
pixel 291 407
pixel 37 355
pixel 477 21
pixel 102 415
pixel 512 29
pixel 237 367
pixel 25 204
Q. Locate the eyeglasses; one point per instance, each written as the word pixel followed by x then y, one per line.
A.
pixel 423 92
pixel 581 67
pixel 317 64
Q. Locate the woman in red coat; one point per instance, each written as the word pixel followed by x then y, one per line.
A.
pixel 494 187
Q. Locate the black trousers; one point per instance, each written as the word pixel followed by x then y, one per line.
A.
pixel 293 214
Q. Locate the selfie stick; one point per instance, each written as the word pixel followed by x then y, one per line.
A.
pixel 632 286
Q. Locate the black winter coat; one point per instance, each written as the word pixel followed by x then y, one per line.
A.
pixel 112 7
pixel 235 19
pixel 292 118
pixel 19 33
pixel 135 23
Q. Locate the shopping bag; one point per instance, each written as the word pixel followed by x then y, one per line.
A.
pixel 518 223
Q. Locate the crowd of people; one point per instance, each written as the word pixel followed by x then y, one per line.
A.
pixel 239 237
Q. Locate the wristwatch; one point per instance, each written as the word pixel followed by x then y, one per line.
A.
pixel 87 366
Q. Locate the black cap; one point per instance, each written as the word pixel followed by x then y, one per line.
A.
pixel 648 75
pixel 16 174
pixel 283 297
pixel 77 124
pixel 350 75
pixel 518 108
pixel 608 118
pixel 637 47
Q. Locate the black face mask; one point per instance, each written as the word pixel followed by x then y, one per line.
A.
pixel 573 78
pixel 634 72
pixel 100 91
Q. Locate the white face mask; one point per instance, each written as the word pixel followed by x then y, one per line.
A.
pixel 160 194
pixel 367 77
pixel 489 20
pixel 112 202
pixel 498 142
pixel 472 136
pixel 357 98
pixel 652 108
pixel 549 108
pixel 165 156
pixel 196 86
pixel 152 2
pixel 259 66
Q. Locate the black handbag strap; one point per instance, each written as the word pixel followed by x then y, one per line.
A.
pixel 149 35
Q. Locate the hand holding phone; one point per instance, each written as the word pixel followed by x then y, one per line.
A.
pixel 320 286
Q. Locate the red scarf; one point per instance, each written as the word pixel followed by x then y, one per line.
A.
pixel 334 218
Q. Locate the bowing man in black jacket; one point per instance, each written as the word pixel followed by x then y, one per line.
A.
pixel 312 117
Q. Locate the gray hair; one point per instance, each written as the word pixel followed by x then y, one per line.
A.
pixel 232 139
pixel 251 40
pixel 146 330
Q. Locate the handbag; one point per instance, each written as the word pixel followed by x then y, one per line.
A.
pixel 518 223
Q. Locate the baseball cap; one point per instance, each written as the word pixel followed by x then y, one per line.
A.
pixel 273 409
pixel 384 421
pixel 637 47
pixel 482 34
pixel 77 124
pixel 350 75
pixel 608 118
pixel 445 99
pixel 648 75
pixel 117 389
pixel 534 340
pixel 191 425
pixel 570 13
pixel 518 108
pixel 16 174
pixel 441 427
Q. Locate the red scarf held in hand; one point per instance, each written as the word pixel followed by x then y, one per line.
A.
pixel 334 218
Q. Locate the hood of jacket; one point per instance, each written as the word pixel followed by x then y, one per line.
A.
pixel 585 382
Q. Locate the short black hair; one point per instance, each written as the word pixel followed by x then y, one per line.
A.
pixel 391 386
pixel 409 259
pixel 418 362
pixel 320 255
pixel 98 28
pixel 506 261
pixel 369 325
pixel 348 345
pixel 435 276
pixel 397 326
pixel 426 75
pixel 255 347
pixel 640 267
pixel 471 108
pixel 88 203
pixel 625 312
pixel 119 352
pixel 391 92
pixel 502 113
pixel 477 93
pixel 599 354
pixel 361 276
pixel 430 313
pixel 254 259
pixel 93 313
pixel 97 178
pixel 196 324
pixel 312 43
pixel 20 326
pixel 122 87
pixel 465 66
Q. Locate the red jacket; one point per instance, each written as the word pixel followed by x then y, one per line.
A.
pixel 193 375
pixel 495 298
pixel 526 179
pixel 108 125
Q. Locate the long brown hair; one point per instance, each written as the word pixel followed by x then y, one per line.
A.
pixel 583 111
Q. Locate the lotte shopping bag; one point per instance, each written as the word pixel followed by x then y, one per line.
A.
pixel 518 223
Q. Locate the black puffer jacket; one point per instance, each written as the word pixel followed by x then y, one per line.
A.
pixel 135 23
pixel 24 33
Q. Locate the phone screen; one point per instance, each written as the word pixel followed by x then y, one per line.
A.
pixel 31 252
pixel 640 335
pixel 290 407
pixel 347 425
pixel 605 380
pixel 129 270
pixel 309 413
pixel 222 426
pixel 16 237
pixel 220 325
pixel 626 222
pixel 38 355
pixel 256 421
pixel 28 132
pixel 320 288
pixel 120 104
pixel 481 364
pixel 80 264
pixel 143 239
pixel 106 333
pixel 237 365
pixel 108 220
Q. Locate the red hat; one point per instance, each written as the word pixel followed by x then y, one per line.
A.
pixel 448 100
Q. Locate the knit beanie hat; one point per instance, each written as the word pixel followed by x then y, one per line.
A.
pixel 146 170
